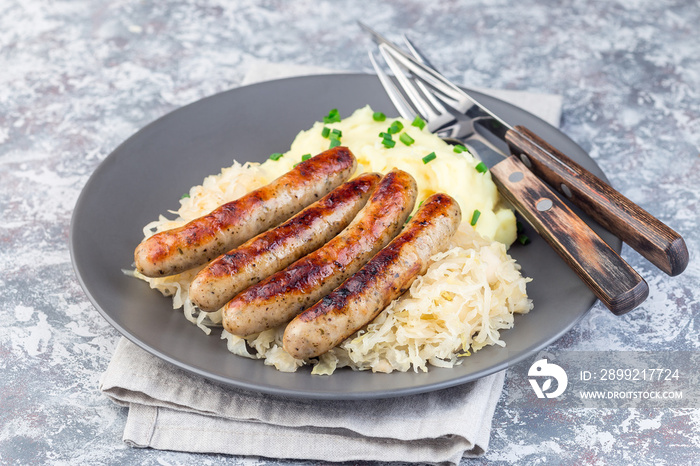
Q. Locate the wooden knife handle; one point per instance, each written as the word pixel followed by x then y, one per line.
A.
pixel 612 280
pixel 654 240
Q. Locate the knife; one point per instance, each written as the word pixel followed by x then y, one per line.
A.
pixel 654 240
pixel 611 279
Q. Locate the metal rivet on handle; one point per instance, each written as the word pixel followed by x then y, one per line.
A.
pixel 565 189
pixel 544 204
pixel 526 160
pixel 515 177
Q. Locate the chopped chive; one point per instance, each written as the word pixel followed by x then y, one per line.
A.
pixel 418 122
pixel 459 149
pixel 395 127
pixel 475 217
pixel 336 132
pixel 429 157
pixel 295 165
pixel 333 116
pixel 409 218
pixel 523 239
pixel 276 156
pixel 388 143
pixel 519 227
pixel 378 116
pixel 305 157
pixel 481 167
pixel 185 196
pixel 325 132
pixel 387 140
pixel 406 139
pixel 335 142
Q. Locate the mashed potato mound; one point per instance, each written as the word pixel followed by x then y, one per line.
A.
pixel 469 293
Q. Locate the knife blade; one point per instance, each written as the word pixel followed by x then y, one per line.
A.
pixel 653 239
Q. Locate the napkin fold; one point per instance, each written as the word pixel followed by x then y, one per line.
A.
pixel 170 409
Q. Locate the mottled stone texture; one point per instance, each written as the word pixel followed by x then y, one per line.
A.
pixel 78 77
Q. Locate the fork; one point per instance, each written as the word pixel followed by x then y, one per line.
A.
pixel 654 240
pixel 454 127
pixel 610 278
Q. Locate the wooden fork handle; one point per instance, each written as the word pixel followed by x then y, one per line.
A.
pixel 610 278
pixel 654 240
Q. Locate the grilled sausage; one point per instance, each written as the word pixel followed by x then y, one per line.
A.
pixel 384 278
pixel 275 249
pixel 228 226
pixel 283 295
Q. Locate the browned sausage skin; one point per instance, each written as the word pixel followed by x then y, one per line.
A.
pixel 228 226
pixel 275 249
pixel 384 278
pixel 283 295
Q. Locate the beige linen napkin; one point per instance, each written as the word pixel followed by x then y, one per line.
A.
pixel 170 409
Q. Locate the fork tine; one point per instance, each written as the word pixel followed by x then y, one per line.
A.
pixel 461 107
pixel 438 96
pixel 408 87
pixel 420 56
pixel 428 103
pixel 429 108
pixel 429 94
pixel 403 107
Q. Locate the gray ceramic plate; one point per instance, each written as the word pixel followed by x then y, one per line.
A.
pixel 148 173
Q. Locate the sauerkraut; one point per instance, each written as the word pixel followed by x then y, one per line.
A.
pixel 469 293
